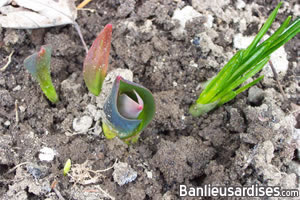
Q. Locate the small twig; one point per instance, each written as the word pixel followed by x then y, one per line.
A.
pixel 8 62
pixel 278 83
pixel 17 113
pixel 17 166
pixel 53 184
pixel 80 35
pixel 104 170
pixel 105 193
pixel 83 3
pixel 57 192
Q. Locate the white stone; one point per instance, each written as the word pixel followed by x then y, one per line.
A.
pixel 7 123
pixel 47 154
pixel 92 110
pixel 193 64
pixel 185 14
pixel 123 173
pixel 17 88
pixel 280 63
pixel 240 4
pixel 22 108
pixel 149 174
pixel 242 42
pixel 209 22
pixel 82 124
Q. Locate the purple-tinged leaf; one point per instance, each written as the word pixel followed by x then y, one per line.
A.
pixel 96 61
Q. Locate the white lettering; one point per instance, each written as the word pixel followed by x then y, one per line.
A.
pixel 182 191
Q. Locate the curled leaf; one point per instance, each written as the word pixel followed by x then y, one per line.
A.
pixel 128 110
pixel 38 65
pixel 96 61
pixel 128 107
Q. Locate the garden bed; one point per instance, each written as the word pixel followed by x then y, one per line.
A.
pixel 254 139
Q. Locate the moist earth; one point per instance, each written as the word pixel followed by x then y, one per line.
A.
pixel 171 47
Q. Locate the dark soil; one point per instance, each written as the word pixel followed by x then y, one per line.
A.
pixel 240 143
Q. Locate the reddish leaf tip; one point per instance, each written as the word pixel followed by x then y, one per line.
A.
pixel 42 51
pixel 140 107
pixel 109 26
pixel 119 78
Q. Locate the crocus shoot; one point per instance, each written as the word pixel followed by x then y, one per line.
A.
pixel 96 61
pixel 243 65
pixel 38 65
pixel 128 110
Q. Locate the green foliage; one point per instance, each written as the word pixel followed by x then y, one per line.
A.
pixel 243 65
pixel 38 65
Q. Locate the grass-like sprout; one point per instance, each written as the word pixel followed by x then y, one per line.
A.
pixel 243 65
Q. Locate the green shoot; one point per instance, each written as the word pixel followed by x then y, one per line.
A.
pixel 67 167
pixel 244 65
pixel 38 65
pixel 96 61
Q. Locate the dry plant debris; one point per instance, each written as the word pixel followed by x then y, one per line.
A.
pixel 30 14
pixel 84 175
pixel 2 69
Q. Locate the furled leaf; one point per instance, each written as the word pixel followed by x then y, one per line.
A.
pixel 96 61
pixel 128 107
pixel 115 124
pixel 29 14
pixel 38 65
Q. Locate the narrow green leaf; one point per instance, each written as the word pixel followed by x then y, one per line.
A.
pixel 279 31
pixel 242 79
pixel 262 31
pixel 242 89
pixel 250 61
pixel 220 80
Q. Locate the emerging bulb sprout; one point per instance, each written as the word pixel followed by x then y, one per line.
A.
pixel 128 110
pixel 38 64
pixel 96 61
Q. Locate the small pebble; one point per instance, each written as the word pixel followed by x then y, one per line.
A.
pixel 82 124
pixel 123 173
pixel 17 88
pixel 47 154
pixel 22 108
pixel 255 96
pixel 36 172
pixel 196 41
pixel 7 123
pixel 2 81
